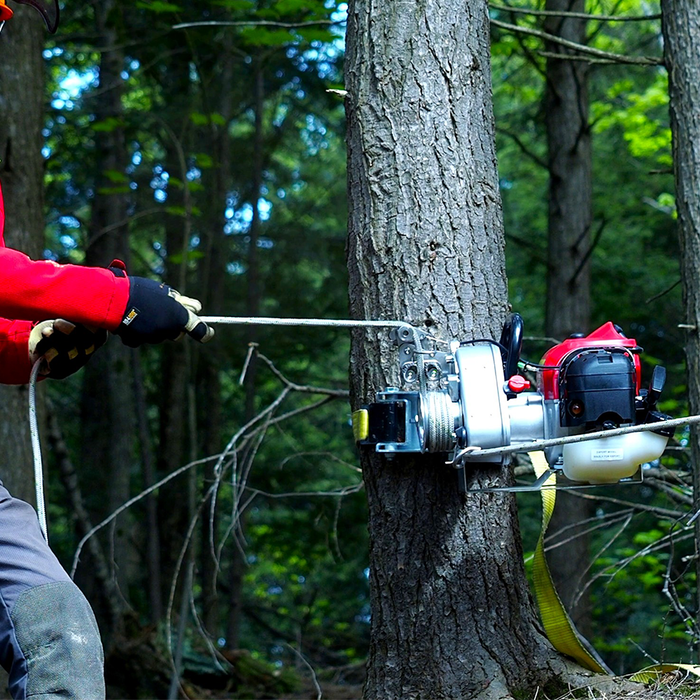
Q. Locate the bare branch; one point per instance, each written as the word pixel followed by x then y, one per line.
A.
pixel 575 15
pixel 663 293
pixel 582 48
pixel 597 556
pixel 131 502
pixel 573 57
pixel 319 692
pixel 589 252
pixel 671 491
pixel 339 393
pixel 519 143
pixel 258 23
pixel 656 510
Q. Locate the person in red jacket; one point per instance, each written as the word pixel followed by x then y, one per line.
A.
pixel 59 315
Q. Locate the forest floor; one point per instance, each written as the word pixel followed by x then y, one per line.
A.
pixel 140 672
pixel 670 688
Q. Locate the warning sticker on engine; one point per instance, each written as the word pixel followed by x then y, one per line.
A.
pixel 608 455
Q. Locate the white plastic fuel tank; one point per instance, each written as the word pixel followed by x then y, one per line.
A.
pixel 608 460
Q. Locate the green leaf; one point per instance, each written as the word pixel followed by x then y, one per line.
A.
pixel 203 160
pixel 235 5
pixel 290 6
pixel 115 176
pixel 109 124
pixel 266 37
pixel 176 210
pixel 199 119
pixel 159 6
pixel 113 190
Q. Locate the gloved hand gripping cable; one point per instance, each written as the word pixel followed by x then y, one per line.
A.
pixel 156 312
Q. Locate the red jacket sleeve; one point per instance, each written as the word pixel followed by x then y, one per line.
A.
pixel 36 290
pixel 15 366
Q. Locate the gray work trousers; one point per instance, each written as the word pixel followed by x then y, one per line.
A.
pixel 49 640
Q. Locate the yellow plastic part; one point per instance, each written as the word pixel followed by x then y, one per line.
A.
pixel 360 424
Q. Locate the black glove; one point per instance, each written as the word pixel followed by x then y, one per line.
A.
pixel 65 347
pixel 156 312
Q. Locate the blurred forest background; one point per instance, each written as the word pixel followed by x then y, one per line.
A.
pixel 203 143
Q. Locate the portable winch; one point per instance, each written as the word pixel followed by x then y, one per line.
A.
pixel 473 397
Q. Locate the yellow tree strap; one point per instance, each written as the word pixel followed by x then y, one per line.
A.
pixel 653 673
pixel 558 625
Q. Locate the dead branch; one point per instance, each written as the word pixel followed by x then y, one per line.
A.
pixel 519 143
pixel 572 57
pixel 131 502
pixel 670 490
pixel 582 48
pixel 260 23
pixel 574 15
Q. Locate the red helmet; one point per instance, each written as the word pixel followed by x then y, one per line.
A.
pixel 47 8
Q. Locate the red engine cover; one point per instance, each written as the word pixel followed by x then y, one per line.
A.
pixel 604 337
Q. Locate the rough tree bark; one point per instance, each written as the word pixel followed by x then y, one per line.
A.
pixel 451 612
pixel 568 271
pixel 681 30
pixel 22 175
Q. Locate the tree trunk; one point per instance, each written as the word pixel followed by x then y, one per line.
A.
pixel 253 297
pixel 568 272
pixel 570 209
pixel 213 278
pixel 174 437
pixel 107 401
pixel 22 174
pixel 681 30
pixel 451 612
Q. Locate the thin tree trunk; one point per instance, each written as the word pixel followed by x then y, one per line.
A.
pixel 213 278
pixel 451 612
pixel 176 440
pixel 155 598
pixel 173 429
pixel 568 272
pixel 107 401
pixel 69 479
pixel 21 172
pixel 570 197
pixel 681 30
pixel 253 309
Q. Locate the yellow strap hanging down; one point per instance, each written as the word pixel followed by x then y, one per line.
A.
pixel 557 624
